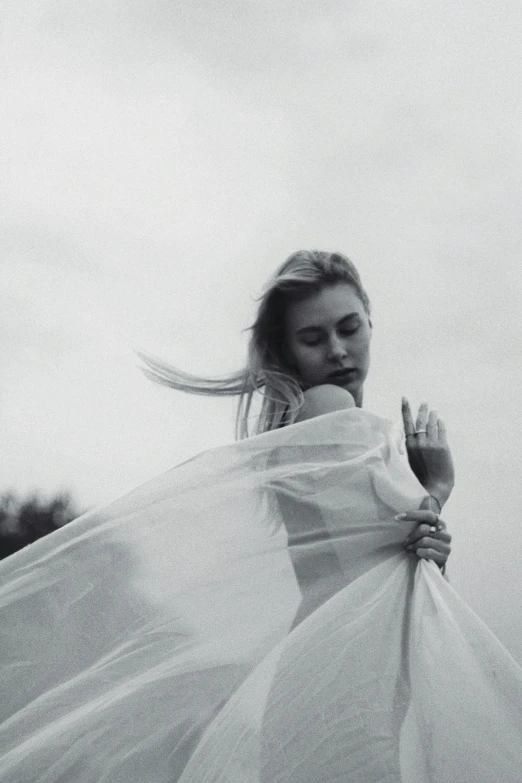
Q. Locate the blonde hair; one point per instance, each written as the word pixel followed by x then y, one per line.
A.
pixel 269 370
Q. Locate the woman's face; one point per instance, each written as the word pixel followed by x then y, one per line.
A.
pixel 329 335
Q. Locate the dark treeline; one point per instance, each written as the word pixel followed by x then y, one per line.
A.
pixel 24 520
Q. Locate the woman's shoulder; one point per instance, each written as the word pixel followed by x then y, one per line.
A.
pixel 325 398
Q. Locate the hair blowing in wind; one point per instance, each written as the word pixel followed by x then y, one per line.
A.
pixel 269 368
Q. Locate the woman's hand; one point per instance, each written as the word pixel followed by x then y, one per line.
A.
pixel 430 539
pixel 428 451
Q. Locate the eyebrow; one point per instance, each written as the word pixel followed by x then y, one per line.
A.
pixel 348 317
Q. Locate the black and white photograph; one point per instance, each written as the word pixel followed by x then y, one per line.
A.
pixel 260 417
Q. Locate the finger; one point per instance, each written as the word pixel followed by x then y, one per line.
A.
pixel 407 418
pixel 427 531
pixel 432 426
pixel 419 531
pixel 443 439
pixel 424 529
pixel 433 543
pixel 437 529
pixel 431 554
pixel 422 416
pixel 420 515
pixel 428 542
pixel 442 531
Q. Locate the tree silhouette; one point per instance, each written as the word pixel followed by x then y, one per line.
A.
pixel 24 520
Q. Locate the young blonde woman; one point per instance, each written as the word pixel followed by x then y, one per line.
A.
pixel 309 355
pixel 272 610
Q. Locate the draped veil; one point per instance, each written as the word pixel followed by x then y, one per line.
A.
pixel 251 616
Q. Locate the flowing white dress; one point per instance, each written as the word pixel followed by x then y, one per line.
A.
pixel 251 616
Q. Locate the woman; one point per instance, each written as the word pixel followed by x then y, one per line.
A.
pixel 313 331
pixel 252 615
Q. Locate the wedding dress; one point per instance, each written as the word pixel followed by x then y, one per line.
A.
pixel 251 616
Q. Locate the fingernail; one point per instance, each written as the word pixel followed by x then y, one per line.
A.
pixel 401 516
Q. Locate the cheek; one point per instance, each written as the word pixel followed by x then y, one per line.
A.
pixel 364 344
pixel 308 360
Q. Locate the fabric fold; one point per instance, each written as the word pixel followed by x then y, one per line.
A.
pixel 251 616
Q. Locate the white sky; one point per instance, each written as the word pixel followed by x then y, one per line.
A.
pixel 160 159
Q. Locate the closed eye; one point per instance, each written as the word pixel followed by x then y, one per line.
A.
pixel 311 341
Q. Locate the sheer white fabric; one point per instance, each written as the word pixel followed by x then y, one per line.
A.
pixel 251 616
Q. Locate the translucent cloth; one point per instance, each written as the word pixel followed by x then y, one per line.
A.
pixel 252 616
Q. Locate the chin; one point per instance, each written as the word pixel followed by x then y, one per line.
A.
pixel 338 382
pixel 355 389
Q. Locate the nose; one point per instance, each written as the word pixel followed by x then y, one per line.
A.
pixel 336 349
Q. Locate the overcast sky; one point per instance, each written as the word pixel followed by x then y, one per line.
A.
pixel 161 158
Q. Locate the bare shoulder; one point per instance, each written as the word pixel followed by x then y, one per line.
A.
pixel 325 398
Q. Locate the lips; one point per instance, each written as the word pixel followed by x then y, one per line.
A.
pixel 344 374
